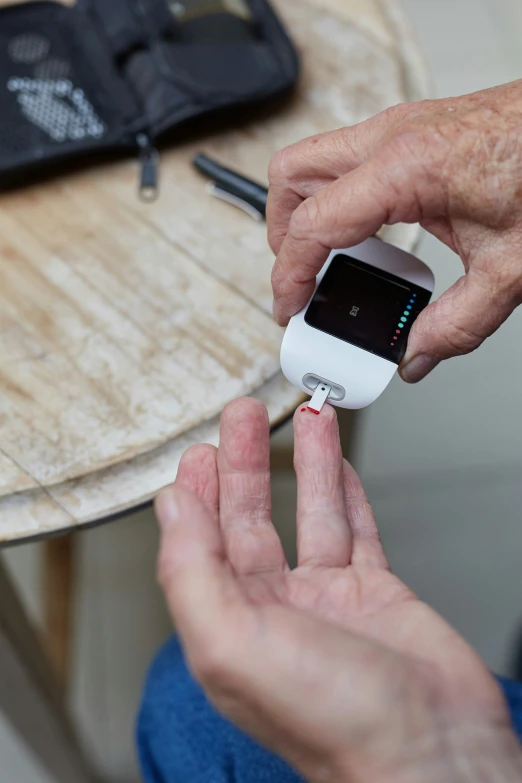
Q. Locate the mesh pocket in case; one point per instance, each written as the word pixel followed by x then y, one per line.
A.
pixel 108 74
pixel 59 94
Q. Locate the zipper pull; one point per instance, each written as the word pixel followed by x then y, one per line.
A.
pixel 149 159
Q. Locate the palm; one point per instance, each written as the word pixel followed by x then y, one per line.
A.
pixel 343 575
pixel 280 629
pixel 345 596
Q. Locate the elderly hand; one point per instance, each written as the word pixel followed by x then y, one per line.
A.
pixel 455 166
pixel 335 665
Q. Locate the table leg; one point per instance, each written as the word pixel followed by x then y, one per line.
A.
pixel 58 596
pixel 30 697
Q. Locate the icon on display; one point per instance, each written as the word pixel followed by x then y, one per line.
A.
pixel 403 320
pixel 355 311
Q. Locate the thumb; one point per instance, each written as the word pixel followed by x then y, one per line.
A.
pixel 193 569
pixel 456 324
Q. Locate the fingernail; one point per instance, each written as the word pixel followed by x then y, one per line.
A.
pixel 167 510
pixel 418 368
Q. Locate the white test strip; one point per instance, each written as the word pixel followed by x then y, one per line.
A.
pixel 321 394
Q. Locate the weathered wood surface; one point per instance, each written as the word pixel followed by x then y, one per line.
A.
pixel 126 328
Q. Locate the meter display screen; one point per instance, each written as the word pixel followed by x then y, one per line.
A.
pixel 367 307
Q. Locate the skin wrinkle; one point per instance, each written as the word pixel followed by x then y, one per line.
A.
pixel 348 615
pixel 296 281
pixel 454 164
pixel 260 637
pixel 399 212
pixel 305 219
pixel 454 339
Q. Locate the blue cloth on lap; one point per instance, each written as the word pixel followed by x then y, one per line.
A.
pixel 182 739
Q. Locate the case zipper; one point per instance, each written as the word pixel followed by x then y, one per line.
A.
pixel 149 162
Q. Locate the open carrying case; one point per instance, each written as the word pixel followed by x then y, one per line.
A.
pixel 104 75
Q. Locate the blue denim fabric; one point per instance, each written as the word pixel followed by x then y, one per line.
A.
pixel 182 739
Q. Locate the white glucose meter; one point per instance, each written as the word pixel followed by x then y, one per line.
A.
pixel 346 344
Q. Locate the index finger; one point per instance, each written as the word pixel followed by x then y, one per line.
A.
pixel 299 171
pixel 393 186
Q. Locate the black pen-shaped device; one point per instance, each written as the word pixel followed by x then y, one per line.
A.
pixel 232 187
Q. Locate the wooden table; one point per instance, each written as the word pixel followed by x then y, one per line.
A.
pixel 125 328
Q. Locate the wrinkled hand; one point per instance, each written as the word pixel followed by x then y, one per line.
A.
pixel 455 166
pixel 336 665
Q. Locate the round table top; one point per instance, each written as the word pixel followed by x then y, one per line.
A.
pixel 125 328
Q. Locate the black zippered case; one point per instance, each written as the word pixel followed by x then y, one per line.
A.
pixel 108 75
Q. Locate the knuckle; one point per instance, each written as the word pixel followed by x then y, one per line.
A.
pixel 275 166
pixel 396 113
pixel 396 116
pixel 461 340
pixel 276 236
pixel 282 281
pixel 501 284
pixel 305 219
pixel 455 336
pixel 275 280
pixel 412 143
pixel 281 166
pixel 415 168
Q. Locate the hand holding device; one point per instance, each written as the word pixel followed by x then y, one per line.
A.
pixel 455 165
pixel 351 336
